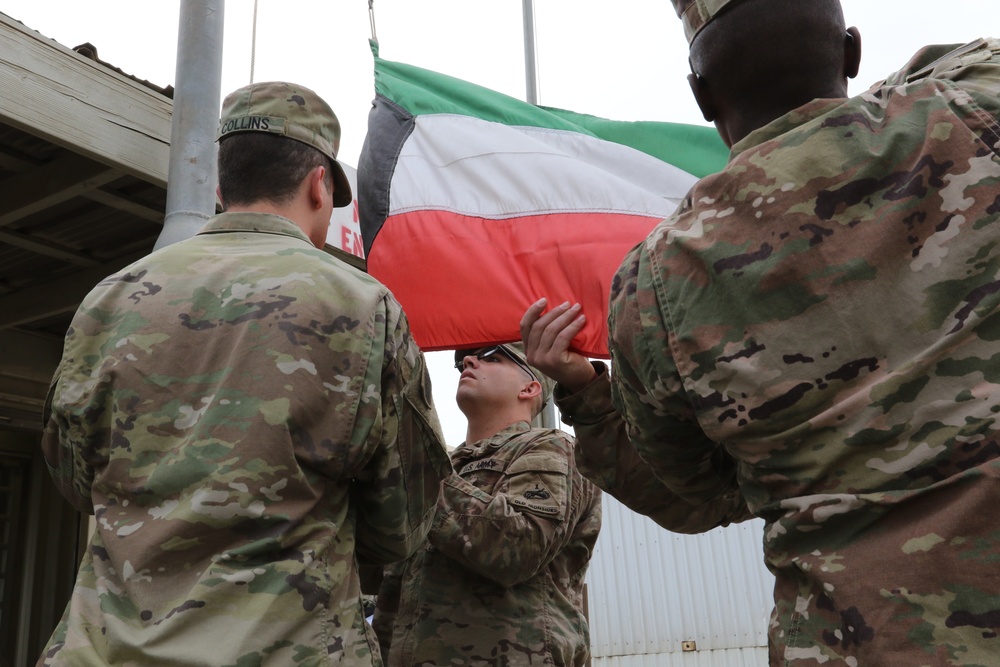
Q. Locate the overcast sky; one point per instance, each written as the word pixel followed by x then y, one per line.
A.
pixel 626 63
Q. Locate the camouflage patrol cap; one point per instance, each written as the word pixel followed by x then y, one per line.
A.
pixel 292 111
pixel 515 350
pixel 695 14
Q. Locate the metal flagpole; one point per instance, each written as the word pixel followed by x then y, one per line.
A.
pixel 191 173
pixel 530 66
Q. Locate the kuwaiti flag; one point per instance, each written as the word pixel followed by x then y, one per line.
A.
pixel 474 204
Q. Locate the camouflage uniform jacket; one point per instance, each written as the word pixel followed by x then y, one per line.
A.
pixel 825 312
pixel 501 580
pixel 244 415
pixel 605 455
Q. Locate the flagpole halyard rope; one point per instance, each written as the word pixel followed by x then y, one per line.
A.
pixel 253 41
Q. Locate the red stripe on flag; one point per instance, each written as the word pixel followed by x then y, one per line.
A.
pixel 465 281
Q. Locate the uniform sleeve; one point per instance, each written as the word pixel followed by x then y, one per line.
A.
pixel 397 490
pixel 387 606
pixel 605 455
pixel 648 392
pixel 512 534
pixel 70 447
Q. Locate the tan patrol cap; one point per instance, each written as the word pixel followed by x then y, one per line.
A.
pixel 292 111
pixel 695 14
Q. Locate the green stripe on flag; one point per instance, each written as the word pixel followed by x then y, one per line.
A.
pixel 695 149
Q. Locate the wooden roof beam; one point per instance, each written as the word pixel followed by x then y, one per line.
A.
pixel 47 248
pixel 53 183
pixel 20 165
pixel 122 204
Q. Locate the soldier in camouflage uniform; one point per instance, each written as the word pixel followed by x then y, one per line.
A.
pixel 604 453
pixel 816 327
pixel 500 581
pixel 247 418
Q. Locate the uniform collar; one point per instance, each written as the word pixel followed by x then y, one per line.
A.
pixel 498 438
pixel 790 121
pixel 261 223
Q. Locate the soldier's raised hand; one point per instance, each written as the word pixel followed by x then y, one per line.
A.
pixel 547 337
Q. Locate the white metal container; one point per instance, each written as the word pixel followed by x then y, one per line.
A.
pixel 665 599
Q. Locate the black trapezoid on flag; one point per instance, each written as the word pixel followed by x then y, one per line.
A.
pixel 389 125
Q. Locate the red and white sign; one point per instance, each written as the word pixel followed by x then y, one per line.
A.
pixel 345 232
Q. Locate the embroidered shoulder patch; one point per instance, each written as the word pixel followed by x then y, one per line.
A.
pixel 535 507
pixel 537 493
pixel 484 464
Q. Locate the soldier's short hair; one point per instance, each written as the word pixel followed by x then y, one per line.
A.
pixel 254 166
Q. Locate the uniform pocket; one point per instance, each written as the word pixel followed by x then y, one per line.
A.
pixel 537 484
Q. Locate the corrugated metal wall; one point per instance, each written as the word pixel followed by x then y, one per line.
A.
pixel 650 590
pixel 746 657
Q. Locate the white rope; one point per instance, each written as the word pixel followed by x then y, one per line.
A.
pixel 253 42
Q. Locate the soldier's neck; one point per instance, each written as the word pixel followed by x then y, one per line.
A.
pixel 485 426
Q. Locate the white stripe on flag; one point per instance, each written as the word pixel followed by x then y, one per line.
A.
pixel 490 170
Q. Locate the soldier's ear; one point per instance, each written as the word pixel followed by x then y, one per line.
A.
pixel 852 52
pixel 530 390
pixel 702 95
pixel 317 187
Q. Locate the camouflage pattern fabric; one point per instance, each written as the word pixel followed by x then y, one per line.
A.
pixel 288 110
pixel 245 416
pixel 696 14
pixel 825 312
pixel 606 456
pixel 500 581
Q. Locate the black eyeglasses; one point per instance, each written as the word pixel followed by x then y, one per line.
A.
pixel 486 352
